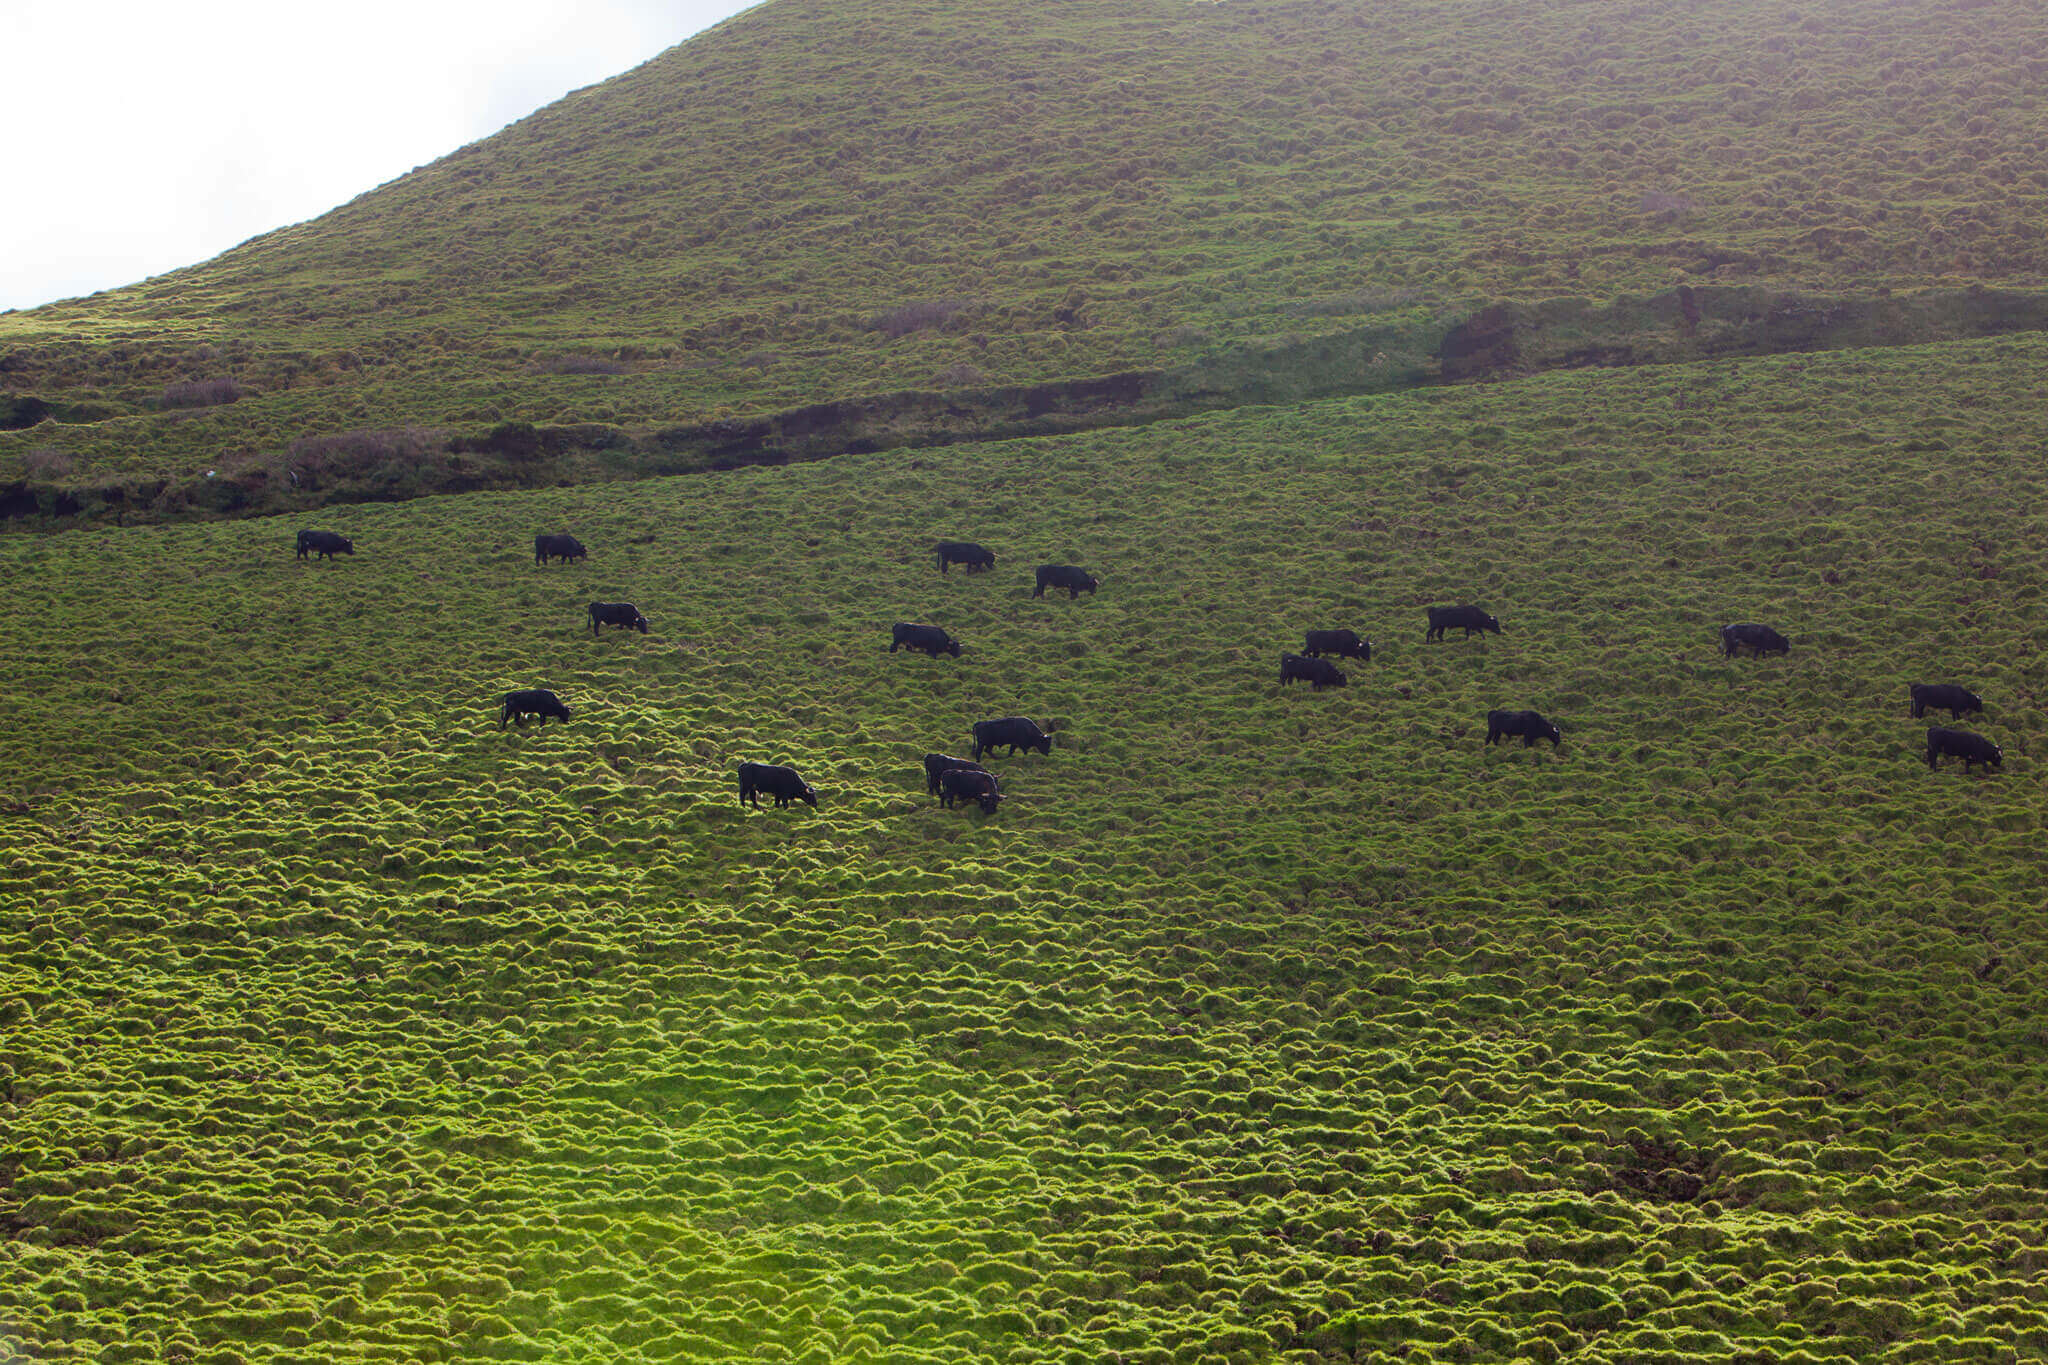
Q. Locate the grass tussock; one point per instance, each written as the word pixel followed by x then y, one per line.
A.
pixel 1256 1023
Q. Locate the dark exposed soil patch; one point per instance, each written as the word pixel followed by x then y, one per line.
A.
pixel 1651 1170
pixel 1500 341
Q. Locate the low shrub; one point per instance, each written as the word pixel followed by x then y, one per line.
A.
pixel 201 393
pixel 581 364
pixel 923 316
pixel 47 462
pixel 353 454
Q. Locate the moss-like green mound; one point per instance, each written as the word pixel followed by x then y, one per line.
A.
pixel 338 1023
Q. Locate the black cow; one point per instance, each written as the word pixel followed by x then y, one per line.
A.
pixel 1945 697
pixel 779 782
pixel 960 784
pixel 564 548
pixel 1470 619
pixel 536 701
pixel 1528 724
pixel 937 766
pixel 975 557
pixel 1345 644
pixel 1014 731
pixel 1759 640
pixel 1075 581
pixel 930 639
pixel 1317 673
pixel 326 544
pixel 1971 748
pixel 616 614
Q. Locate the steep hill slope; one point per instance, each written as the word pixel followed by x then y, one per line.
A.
pixel 822 200
pixel 336 1022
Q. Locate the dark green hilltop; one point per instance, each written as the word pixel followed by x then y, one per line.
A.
pixel 342 1021
pixel 824 226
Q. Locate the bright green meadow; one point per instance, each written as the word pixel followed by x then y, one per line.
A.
pixel 337 1023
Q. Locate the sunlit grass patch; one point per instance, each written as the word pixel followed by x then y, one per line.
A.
pixel 1254 1021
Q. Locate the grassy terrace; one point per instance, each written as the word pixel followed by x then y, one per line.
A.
pixel 822 200
pixel 1257 1025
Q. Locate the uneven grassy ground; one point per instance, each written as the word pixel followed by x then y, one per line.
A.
pixel 336 1023
pixel 821 200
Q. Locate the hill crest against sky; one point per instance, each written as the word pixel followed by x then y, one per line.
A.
pixel 819 200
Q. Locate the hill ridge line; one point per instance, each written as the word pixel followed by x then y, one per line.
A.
pixel 1500 341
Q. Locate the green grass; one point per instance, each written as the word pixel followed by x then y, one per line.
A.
pixel 336 1023
pixel 1090 187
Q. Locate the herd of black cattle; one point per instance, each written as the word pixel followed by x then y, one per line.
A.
pixel 953 780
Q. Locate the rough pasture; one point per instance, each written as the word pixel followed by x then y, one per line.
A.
pixel 333 1019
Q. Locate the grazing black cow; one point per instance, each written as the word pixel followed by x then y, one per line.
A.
pixel 616 614
pixel 1345 644
pixel 1945 697
pixel 1971 748
pixel 1528 724
pixel 1759 640
pixel 326 544
pixel 779 782
pixel 1470 619
pixel 1075 581
pixel 1317 673
pixel 930 639
pixel 536 701
pixel 960 784
pixel 564 548
pixel 937 766
pixel 1015 731
pixel 975 557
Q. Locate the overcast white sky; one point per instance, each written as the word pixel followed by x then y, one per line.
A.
pixel 143 136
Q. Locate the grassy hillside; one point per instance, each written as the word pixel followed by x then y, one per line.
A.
pixel 818 201
pixel 1256 1025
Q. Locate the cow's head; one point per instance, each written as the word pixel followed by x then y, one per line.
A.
pixel 1493 624
pixel 954 647
pixel 810 794
pixel 639 623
